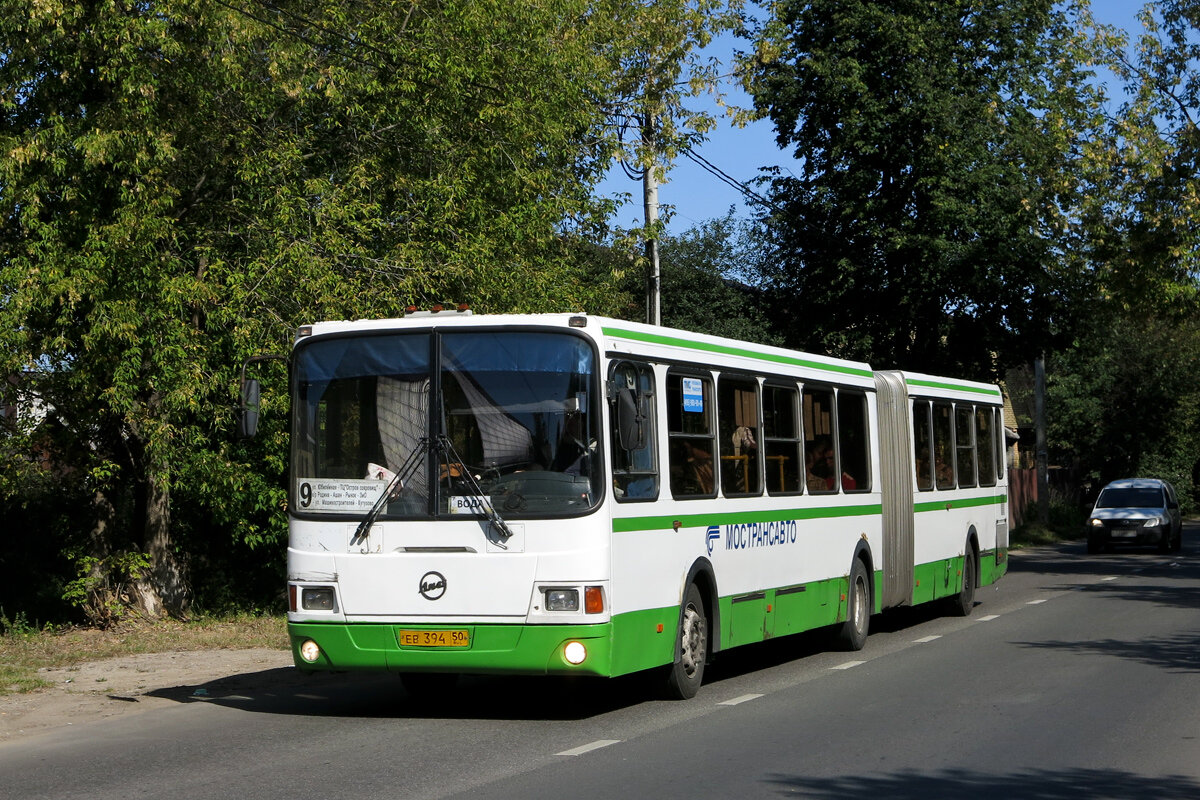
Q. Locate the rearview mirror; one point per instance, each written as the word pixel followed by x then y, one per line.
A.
pixel 247 421
pixel 631 420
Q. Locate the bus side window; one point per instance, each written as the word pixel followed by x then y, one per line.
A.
pixel 853 448
pixel 985 441
pixel 635 470
pixel 782 439
pixel 737 416
pixel 922 445
pixel 964 445
pixel 820 458
pixel 690 434
pixel 943 445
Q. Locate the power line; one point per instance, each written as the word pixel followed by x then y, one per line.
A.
pixel 751 195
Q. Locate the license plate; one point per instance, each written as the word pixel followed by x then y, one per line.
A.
pixel 454 637
pixel 1124 534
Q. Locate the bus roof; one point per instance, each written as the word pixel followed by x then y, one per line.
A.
pixel 636 339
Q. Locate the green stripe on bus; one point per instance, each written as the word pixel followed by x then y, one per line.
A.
pixel 991 391
pixel 629 524
pixel 969 502
pixel 741 352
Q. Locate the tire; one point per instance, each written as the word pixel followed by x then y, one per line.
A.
pixel 687 671
pixel 1094 545
pixel 1177 542
pixel 963 603
pixel 852 635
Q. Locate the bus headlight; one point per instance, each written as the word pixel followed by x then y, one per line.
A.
pixel 310 651
pixel 575 652
pixel 562 599
pixel 318 598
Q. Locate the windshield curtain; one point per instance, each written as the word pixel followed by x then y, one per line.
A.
pixel 516 409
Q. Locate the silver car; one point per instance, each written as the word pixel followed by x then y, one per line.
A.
pixel 1139 511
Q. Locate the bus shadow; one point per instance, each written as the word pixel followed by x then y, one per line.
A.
pixel 287 691
pixel 1043 784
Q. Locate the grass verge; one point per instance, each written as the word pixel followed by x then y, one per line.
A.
pixel 23 653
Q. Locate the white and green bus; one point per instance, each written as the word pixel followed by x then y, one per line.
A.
pixel 573 495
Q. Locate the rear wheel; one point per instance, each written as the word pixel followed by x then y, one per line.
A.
pixel 853 633
pixel 964 602
pixel 687 671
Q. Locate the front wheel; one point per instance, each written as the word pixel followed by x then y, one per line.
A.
pixel 687 671
pixel 853 633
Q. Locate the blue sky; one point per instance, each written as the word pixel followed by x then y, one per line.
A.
pixel 698 195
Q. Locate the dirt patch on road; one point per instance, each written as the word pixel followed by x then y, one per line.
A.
pixel 130 684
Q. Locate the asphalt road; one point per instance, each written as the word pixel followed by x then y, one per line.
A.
pixel 1076 676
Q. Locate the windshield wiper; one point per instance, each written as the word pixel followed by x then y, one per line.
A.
pixel 485 502
pixel 404 473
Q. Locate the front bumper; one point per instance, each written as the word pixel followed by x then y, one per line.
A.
pixel 494 649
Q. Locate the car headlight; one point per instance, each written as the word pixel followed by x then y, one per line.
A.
pixel 1097 523
pixel 1153 523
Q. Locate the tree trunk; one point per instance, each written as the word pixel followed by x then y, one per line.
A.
pixel 164 588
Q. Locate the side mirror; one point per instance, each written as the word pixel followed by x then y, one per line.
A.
pixel 631 420
pixel 247 421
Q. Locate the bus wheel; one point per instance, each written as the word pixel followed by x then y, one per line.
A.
pixel 687 671
pixel 853 633
pixel 963 602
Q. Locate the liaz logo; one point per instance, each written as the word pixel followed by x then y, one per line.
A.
pixel 433 585
pixel 713 536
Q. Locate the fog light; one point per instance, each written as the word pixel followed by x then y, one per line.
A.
pixel 575 652
pixel 309 651
pixel 318 598
pixel 562 599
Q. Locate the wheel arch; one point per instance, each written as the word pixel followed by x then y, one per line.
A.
pixel 863 553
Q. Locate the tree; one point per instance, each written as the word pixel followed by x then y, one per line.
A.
pixel 940 142
pixel 1126 396
pixel 1146 215
pixel 184 182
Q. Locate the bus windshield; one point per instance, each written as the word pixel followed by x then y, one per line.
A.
pixel 517 410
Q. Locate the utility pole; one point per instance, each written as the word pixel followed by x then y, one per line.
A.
pixel 650 203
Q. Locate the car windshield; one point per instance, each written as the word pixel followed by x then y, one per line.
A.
pixel 516 410
pixel 1131 497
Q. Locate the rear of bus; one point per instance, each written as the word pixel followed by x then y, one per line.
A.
pixel 446 498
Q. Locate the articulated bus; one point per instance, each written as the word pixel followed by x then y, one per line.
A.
pixel 573 495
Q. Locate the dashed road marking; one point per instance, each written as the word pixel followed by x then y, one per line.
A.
pixel 849 665
pixel 737 700
pixel 927 639
pixel 587 748
pixel 989 618
pixel 1036 602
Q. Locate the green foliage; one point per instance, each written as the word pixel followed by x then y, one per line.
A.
pixel 182 183
pixel 927 226
pixel 703 274
pixel 1125 402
